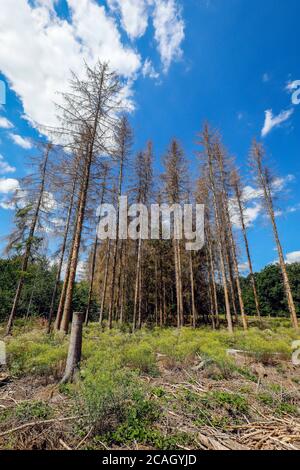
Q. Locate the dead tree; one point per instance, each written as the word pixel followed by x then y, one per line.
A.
pixel 194 314
pixel 105 170
pixel 265 181
pixel 208 145
pixel 123 139
pixel 144 181
pixel 88 118
pixel 175 179
pixel 62 252
pixel 238 192
pixel 30 239
pixel 228 224
pixel 105 281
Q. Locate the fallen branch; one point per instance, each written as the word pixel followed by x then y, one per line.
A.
pixel 37 423
pixel 65 446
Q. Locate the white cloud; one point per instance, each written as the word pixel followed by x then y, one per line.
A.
pixel 7 205
pixel 244 268
pixel 291 86
pixel 8 185
pixel 253 196
pixel 46 47
pixel 280 183
pixel 293 257
pixel 5 123
pixel 169 31
pixel 5 167
pixel 250 193
pixel 167 22
pixel 18 140
pixel 274 121
pixel 148 70
pixel 266 77
pixel 251 213
pixel 134 15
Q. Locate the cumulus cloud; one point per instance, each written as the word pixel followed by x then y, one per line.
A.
pixel 134 15
pixel 293 257
pixel 21 141
pixel 252 199
pixel 251 213
pixel 274 121
pixel 46 47
pixel 8 185
pixel 5 123
pixel 169 31
pixel 5 167
pixel 167 22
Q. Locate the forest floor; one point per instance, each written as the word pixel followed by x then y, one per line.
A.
pixel 157 389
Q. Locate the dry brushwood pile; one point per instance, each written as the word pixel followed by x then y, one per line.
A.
pixel 157 394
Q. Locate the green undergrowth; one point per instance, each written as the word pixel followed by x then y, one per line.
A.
pixel 37 353
pixel 112 396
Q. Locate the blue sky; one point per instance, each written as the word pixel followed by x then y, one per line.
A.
pixel 225 61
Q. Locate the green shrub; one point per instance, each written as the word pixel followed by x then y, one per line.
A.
pixel 33 410
pixel 232 402
pixel 140 357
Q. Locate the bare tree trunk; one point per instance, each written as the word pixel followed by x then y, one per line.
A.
pixel 231 240
pixel 177 282
pixel 124 140
pixel 122 285
pixel 63 293
pixel 104 290
pixel 213 279
pixel 180 284
pixel 161 313
pixel 75 348
pixel 156 291
pixel 194 315
pixel 211 301
pixel 30 303
pixel 219 229
pixel 257 154
pixel 112 286
pixel 286 281
pixel 74 255
pixel 119 284
pixel 94 257
pixel 231 279
pixel 165 304
pixel 140 300
pixel 29 242
pixel 238 194
pixel 62 256
pixel 137 285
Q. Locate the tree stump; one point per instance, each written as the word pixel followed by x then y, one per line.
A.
pixel 75 348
